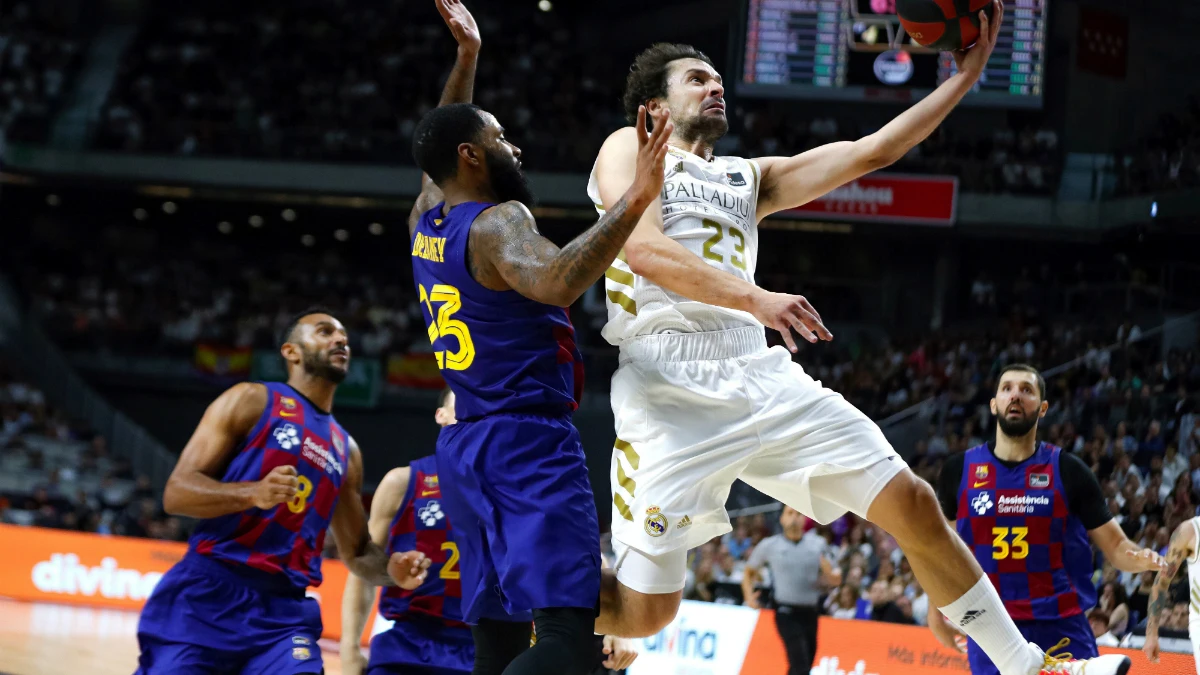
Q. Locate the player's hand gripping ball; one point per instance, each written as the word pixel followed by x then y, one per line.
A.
pixel 945 25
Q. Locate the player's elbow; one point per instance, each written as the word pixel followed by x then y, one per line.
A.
pixel 640 256
pixel 173 499
pixel 877 152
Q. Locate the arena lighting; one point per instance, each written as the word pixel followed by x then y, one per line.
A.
pixel 224 227
pixel 256 221
pixel 169 207
pixel 289 215
pixel 1153 209
pixel 140 214
pixel 308 240
pixel 545 5
pixel 341 235
pixel 375 229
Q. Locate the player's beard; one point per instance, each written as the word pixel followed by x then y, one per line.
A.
pixel 1019 427
pixel 508 181
pixel 319 364
pixel 706 129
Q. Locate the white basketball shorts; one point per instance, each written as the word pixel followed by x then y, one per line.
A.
pixel 694 412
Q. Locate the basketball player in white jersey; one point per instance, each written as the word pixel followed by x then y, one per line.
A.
pixel 700 400
pixel 1185 546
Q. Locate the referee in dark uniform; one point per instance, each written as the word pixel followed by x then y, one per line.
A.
pixel 799 573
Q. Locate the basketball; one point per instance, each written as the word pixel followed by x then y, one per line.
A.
pixel 945 25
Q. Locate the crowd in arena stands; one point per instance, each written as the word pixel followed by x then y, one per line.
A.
pixel 1129 414
pixel 346 82
pixel 342 83
pixel 57 474
pixel 1169 158
pixel 38 56
pixel 1015 159
pixel 167 303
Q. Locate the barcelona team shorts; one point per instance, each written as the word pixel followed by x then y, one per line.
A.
pixel 516 489
pixel 207 617
pixel 422 647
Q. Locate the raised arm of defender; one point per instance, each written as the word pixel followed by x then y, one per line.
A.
pixel 789 182
pixel 460 87
pixel 507 252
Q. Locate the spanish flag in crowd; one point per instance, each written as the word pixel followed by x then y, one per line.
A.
pixel 223 361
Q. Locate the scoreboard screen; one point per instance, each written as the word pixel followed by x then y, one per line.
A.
pixel 856 50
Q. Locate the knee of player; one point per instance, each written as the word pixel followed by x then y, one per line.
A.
pixel 916 516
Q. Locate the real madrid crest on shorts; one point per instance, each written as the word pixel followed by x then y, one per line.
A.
pixel 656 523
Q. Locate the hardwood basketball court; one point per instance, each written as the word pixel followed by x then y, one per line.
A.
pixel 49 639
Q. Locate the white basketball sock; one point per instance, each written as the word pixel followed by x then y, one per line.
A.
pixel 981 615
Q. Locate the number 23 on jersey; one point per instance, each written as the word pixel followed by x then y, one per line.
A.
pixel 442 325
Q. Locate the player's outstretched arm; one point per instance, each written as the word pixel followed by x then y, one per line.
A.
pixel 195 489
pixel 506 251
pixel 667 263
pixel 1123 553
pixel 1183 543
pixel 359 594
pixel 460 87
pixel 789 182
pixel 363 556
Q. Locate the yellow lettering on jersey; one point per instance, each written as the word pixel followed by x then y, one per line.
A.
pixel 429 248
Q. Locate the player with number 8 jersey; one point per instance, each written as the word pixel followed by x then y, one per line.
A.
pixel 267 473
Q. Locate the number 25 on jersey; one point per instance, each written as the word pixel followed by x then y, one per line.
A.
pixel 442 325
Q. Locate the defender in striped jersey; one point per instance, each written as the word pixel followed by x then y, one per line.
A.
pixel 265 473
pixel 1184 546
pixel 427 635
pixel 1031 514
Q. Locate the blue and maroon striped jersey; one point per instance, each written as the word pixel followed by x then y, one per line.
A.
pixel 421 524
pixel 498 350
pixel 286 540
pixel 1018 524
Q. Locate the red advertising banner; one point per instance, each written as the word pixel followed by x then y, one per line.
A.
pixel 888 198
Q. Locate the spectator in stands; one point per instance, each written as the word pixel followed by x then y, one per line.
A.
pixel 883 605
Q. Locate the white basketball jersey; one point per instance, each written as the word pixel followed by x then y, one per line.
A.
pixel 709 208
pixel 1193 564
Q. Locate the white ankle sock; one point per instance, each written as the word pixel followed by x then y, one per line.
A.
pixel 981 615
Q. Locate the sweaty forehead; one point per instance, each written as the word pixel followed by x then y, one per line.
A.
pixel 681 66
pixel 490 123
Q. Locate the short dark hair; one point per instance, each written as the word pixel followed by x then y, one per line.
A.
pixel 648 75
pixel 285 336
pixel 1024 368
pixel 438 135
pixel 443 396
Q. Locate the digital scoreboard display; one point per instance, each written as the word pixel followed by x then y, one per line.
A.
pixel 856 50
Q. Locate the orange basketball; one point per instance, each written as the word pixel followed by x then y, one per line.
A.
pixel 945 25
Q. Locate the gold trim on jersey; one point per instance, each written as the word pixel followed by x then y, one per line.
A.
pixel 625 481
pixel 627 303
pixel 622 507
pixel 619 275
pixel 631 455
